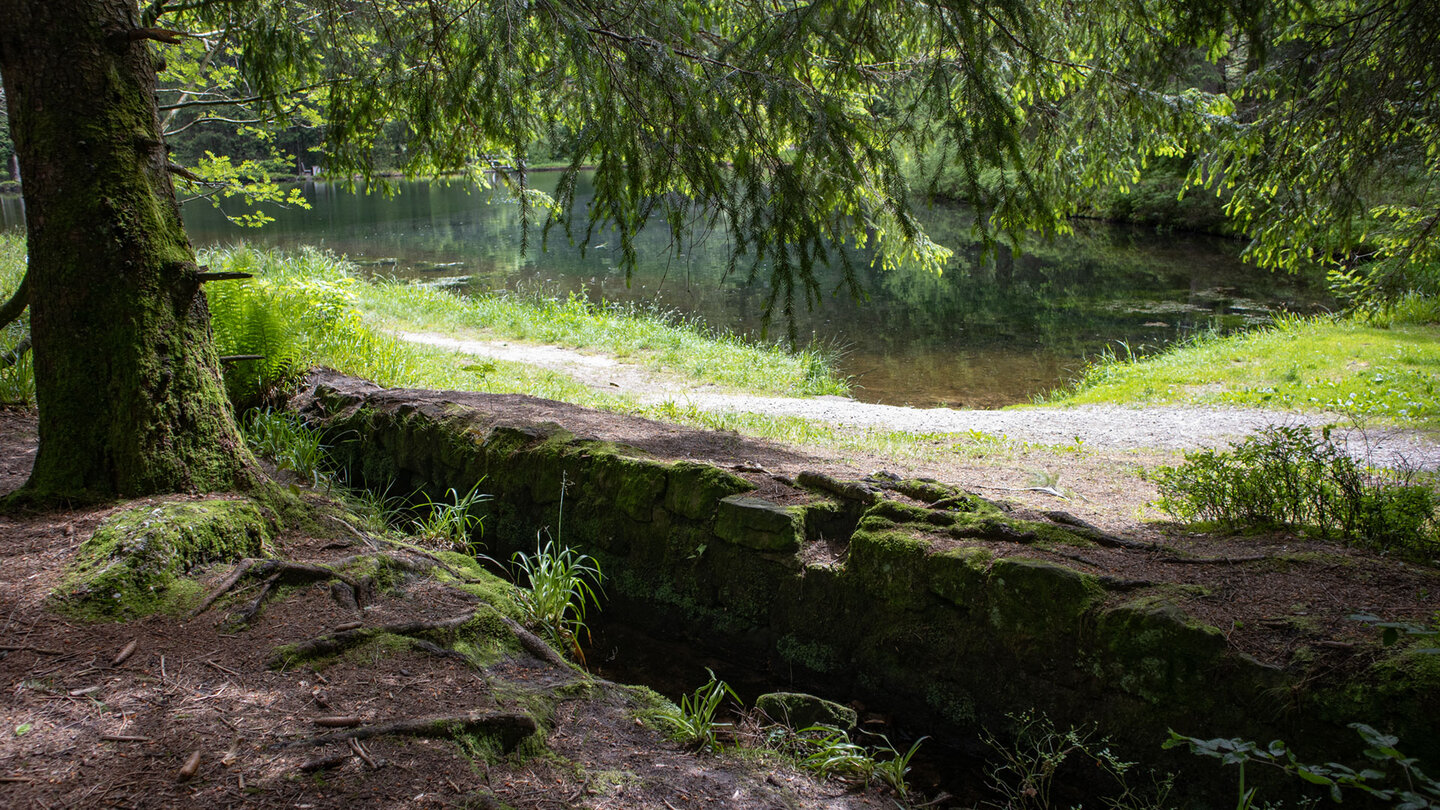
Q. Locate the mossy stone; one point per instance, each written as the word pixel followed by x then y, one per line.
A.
pixel 759 524
pixel 1040 600
pixel 961 576
pixel 800 711
pixel 1155 651
pixel 133 564
pixel 695 490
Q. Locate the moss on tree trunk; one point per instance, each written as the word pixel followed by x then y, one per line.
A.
pixel 126 377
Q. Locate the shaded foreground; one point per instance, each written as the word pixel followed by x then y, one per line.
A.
pixel 913 596
pixel 950 610
pixel 216 710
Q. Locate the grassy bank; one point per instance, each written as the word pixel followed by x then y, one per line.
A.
pixel 307 308
pixel 661 341
pixel 1384 369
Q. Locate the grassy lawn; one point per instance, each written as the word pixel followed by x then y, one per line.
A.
pixel 1382 370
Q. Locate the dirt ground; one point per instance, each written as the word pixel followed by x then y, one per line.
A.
pixel 79 730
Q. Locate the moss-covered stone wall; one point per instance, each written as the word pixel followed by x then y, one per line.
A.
pixel 900 599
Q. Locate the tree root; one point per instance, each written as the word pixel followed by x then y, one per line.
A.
pixel 374 542
pixel 509 727
pixel 1097 535
pixel 1216 560
pixel 332 643
pixel 535 645
pixel 863 492
pixel 277 572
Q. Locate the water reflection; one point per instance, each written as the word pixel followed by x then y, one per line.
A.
pixel 992 329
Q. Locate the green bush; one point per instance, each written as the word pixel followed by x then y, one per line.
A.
pixel 1291 477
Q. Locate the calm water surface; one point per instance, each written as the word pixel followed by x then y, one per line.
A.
pixel 988 331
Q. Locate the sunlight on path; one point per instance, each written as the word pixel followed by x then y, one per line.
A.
pixel 1098 426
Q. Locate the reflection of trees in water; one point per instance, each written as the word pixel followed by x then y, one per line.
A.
pixel 1033 311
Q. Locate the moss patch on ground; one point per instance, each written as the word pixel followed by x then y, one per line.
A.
pixel 136 561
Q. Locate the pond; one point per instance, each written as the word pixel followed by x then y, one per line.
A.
pixel 990 330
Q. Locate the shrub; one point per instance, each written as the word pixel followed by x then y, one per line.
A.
pixel 1290 477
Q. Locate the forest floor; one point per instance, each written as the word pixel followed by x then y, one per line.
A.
pixel 78 730
pixel 81 729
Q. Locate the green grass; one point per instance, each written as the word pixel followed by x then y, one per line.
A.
pixel 659 340
pixel 1384 370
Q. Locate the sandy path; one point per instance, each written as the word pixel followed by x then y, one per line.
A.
pixel 1164 427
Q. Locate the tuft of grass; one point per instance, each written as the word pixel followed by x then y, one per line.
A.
pixel 288 443
pixel 693 722
pixel 562 585
pixel 1388 370
pixel 453 521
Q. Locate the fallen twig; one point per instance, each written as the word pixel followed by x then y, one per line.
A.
pixel 367 759
pixel 123 738
pixel 27 648
pixel 222 668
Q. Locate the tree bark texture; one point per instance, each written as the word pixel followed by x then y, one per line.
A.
pixel 126 377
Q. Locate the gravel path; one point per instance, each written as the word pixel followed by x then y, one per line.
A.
pixel 1164 427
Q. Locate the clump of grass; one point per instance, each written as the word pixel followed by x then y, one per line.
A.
pixel 1291 477
pixel 452 521
pixel 692 721
pixel 288 442
pixel 561 588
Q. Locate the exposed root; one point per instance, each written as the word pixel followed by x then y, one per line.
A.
pixel 1097 535
pixel 535 645
pixel 509 727
pixel 1216 560
pixel 278 572
pixel 250 612
pixel 861 491
pixel 375 540
pixel 225 586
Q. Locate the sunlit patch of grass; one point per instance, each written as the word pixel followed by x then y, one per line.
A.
pixel 661 340
pixel 1342 365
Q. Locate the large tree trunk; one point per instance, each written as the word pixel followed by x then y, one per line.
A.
pixel 126 376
